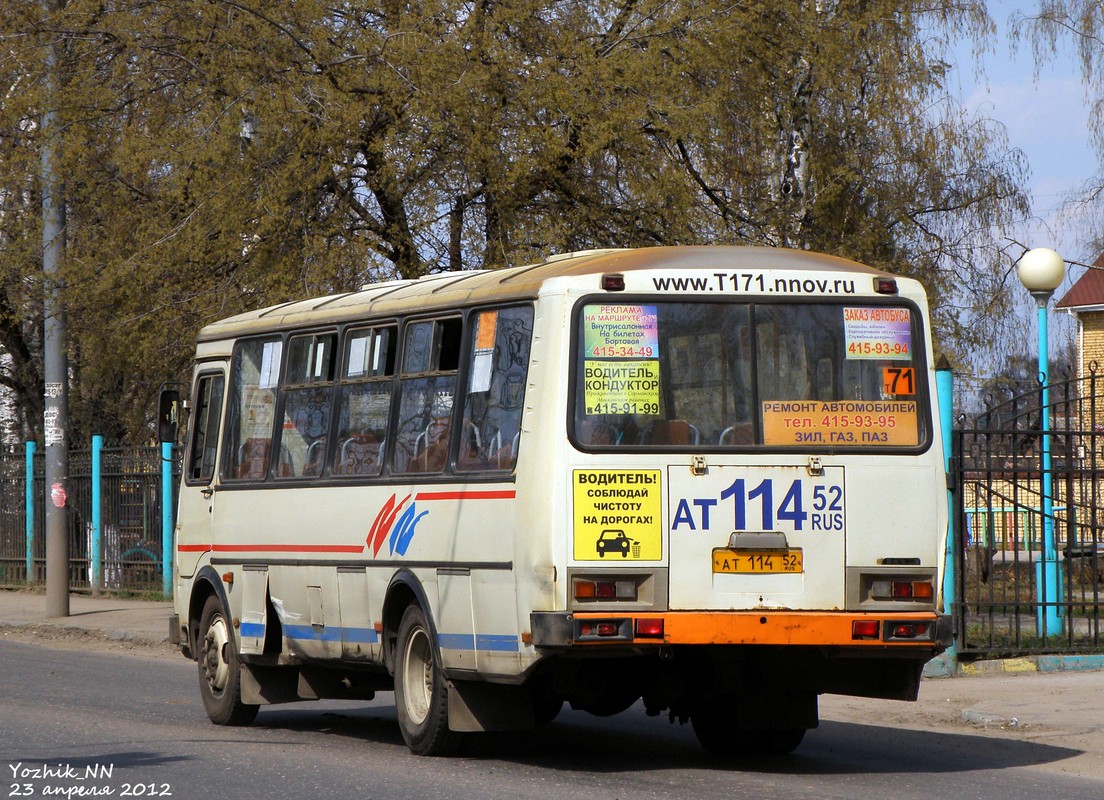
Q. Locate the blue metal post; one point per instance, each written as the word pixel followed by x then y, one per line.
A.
pixel 1046 570
pixel 944 385
pixel 29 505
pixel 166 518
pixel 96 556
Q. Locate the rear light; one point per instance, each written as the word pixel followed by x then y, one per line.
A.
pixel 620 629
pixel 922 590
pixel 885 285
pixel 604 589
pixel 625 630
pixel 909 630
pixel 902 590
pixel 865 629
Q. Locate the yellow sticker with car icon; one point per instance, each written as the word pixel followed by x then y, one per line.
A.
pixel 617 515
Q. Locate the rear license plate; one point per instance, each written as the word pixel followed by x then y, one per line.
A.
pixel 757 562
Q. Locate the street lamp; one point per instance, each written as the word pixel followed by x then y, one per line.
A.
pixel 1041 271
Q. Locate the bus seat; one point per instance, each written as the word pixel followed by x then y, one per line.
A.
pixel 593 431
pixel 359 455
pixel 316 455
pixel 253 458
pixel 670 431
pixel 737 434
pixel 431 447
pixel 500 456
pixel 471 455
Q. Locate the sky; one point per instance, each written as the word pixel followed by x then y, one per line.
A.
pixel 1046 116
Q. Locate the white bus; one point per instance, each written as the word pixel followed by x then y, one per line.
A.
pixel 706 478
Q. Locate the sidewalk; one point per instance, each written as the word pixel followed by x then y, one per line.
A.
pixel 138 621
pixel 1017 696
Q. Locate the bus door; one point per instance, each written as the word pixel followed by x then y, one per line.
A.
pixel 195 510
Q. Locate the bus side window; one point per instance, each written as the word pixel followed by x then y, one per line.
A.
pixel 497 369
pixel 205 428
pixel 364 400
pixel 431 358
pixel 254 377
pixel 308 399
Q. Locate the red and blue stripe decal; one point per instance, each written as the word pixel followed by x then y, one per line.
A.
pixel 395 522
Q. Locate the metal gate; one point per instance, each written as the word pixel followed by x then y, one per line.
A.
pixel 1029 528
pixel 130 557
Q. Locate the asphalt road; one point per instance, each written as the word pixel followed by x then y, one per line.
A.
pixel 132 725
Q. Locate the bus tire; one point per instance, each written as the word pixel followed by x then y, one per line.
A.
pixel 775 742
pixel 715 726
pixel 421 694
pixel 546 705
pixel 219 669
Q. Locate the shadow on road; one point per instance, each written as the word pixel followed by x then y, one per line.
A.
pixel 632 742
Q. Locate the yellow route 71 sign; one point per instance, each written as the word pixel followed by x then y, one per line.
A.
pixel 617 515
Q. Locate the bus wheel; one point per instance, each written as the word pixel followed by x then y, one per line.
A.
pixel 546 704
pixel 774 742
pixel 421 696
pixel 219 670
pixel 714 724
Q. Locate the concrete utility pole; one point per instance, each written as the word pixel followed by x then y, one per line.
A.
pixel 56 366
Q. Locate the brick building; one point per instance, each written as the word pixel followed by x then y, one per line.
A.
pixel 1085 300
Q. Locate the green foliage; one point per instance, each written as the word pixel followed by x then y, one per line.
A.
pixel 227 154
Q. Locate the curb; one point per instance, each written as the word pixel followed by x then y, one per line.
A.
pixel 942 667
pixel 1000 666
pixel 48 631
pixel 1070 663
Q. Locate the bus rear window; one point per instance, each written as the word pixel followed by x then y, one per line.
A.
pixel 749 375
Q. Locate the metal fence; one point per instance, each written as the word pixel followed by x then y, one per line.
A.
pixel 1012 596
pixel 130 530
pixel 1030 581
pixel 13 523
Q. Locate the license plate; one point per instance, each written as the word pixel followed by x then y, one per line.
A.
pixel 757 562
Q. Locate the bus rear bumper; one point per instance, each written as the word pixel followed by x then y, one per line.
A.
pixel 926 632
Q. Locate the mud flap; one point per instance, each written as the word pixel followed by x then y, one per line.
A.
pixel 478 706
pixel 261 686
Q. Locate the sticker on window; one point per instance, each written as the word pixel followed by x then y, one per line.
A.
pixel 270 364
pixel 358 352
pixel 898 380
pixel 621 331
pixel 621 387
pixel 483 361
pixel 887 423
pixel 878 333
